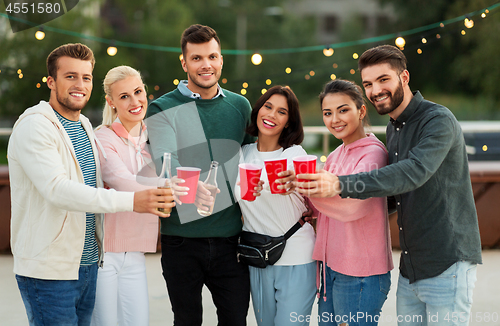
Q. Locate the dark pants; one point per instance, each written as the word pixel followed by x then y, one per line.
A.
pixel 189 263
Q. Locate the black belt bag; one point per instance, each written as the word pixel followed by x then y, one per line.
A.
pixel 260 250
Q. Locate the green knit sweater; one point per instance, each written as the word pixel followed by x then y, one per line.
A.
pixel 196 132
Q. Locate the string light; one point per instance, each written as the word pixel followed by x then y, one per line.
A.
pixel 335 66
pixel 243 91
pixel 485 148
pixel 424 40
pixel 322 158
pixel 328 52
pixel 263 91
pixel 224 80
pixel 469 23
pixel 176 82
pixel 245 85
pixel 38 85
pixel 400 42
pixel 19 71
pixel 288 70
pixel 181 57
pixel 333 77
pixel 44 79
pixel 355 56
pixel 256 59
pixel 157 88
pixel 483 15
pixel 441 25
pixel 307 77
pixel 112 50
pixel 40 35
pixel 352 71
pixel 419 51
pixel 438 36
pixel 268 81
pixel 312 73
pixel 151 97
pixel 21 76
pixel 462 32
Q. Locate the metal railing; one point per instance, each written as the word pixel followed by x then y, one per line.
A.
pixel 467 127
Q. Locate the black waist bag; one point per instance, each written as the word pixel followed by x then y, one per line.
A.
pixel 260 250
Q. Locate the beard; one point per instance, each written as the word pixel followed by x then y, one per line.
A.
pixel 194 79
pixel 68 104
pixel 395 100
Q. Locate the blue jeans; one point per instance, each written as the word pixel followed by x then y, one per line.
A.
pixel 353 300
pixel 189 263
pixel 283 295
pixel 442 300
pixel 60 302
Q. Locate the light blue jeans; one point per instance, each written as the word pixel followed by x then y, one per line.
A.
pixel 356 301
pixel 60 303
pixel 283 295
pixel 442 300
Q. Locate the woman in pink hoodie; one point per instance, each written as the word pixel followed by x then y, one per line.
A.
pixel 353 241
pixel 122 292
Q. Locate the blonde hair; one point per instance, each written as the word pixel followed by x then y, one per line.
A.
pixel 114 75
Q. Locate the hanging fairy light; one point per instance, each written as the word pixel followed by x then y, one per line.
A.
pixel 400 42
pixel 483 15
pixel 469 23
pixel 268 81
pixel 181 57
pixel 40 34
pixel 112 50
pixel 44 79
pixel 245 85
pixel 243 91
pixel 288 70
pixel 328 52
pixel 256 59
pixel 419 51
pixel 263 91
pixel 176 82
pixel 224 80
pixel 355 56
pixel 424 40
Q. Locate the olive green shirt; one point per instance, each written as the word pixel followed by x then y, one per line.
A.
pixel 428 174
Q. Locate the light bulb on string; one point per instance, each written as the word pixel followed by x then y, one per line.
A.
pixel 483 15
pixel 469 23
pixel 288 70
pixel 328 51
pixel 268 82
pixel 112 50
pixel 424 40
pixel 40 34
pixel 400 42
pixel 181 57
pixel 355 56
pixel 243 91
pixel 44 79
pixel 263 91
pixel 256 59
pixel 245 85
pixel 176 82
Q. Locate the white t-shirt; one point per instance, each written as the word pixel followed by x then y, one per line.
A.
pixel 275 214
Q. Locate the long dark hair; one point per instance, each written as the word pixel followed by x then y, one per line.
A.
pixel 291 135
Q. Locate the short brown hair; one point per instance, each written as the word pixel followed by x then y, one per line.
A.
pixel 198 34
pixel 291 135
pixel 72 50
pixel 383 54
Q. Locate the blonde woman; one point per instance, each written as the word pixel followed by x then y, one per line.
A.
pixel 122 294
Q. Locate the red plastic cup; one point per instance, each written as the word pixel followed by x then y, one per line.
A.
pixel 304 165
pixel 191 176
pixel 249 178
pixel 273 167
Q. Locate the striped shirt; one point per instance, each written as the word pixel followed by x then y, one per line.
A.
pixel 85 158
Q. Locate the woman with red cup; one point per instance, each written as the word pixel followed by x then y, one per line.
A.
pixel 288 287
pixel 353 241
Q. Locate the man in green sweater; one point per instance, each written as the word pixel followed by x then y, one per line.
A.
pixel 199 122
pixel 428 176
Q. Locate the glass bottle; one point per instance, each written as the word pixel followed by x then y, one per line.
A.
pixel 165 178
pixel 211 185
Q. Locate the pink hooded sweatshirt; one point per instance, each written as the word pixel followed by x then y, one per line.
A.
pixel 353 235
